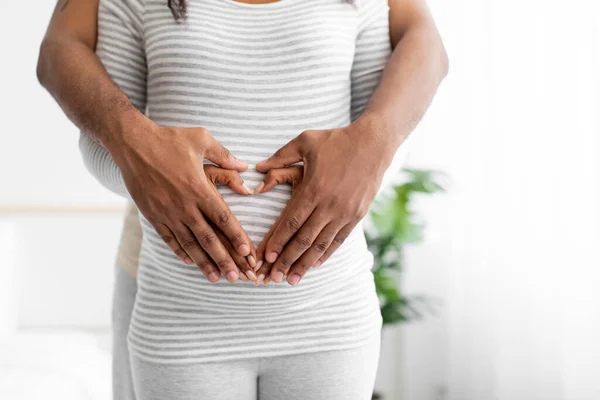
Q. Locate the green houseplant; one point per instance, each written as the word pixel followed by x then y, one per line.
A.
pixel 391 226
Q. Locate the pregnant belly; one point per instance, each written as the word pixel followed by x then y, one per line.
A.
pixel 163 275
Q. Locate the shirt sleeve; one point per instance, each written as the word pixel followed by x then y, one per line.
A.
pixel 372 51
pixel 120 48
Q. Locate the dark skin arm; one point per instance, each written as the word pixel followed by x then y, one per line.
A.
pixel 320 216
pixel 150 157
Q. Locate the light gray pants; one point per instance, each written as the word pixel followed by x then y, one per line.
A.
pixel 123 298
pixel 330 375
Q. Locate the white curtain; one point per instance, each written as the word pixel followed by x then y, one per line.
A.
pixel 512 251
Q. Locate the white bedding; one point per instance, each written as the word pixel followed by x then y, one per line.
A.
pixel 65 365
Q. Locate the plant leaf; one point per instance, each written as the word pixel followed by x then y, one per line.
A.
pixel 394 225
pixel 386 286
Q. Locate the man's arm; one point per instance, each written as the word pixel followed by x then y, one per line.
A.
pixel 69 69
pixel 411 77
pixel 106 99
pixel 320 216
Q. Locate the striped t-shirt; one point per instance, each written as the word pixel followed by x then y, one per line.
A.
pixel 256 76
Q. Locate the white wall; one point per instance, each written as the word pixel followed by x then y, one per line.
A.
pixel 61 256
pixel 65 269
pixel 39 160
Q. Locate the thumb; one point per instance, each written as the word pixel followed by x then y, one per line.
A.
pixel 289 154
pixel 218 154
pixel 220 176
pixel 277 176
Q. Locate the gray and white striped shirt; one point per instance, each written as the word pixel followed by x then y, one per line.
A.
pixel 256 76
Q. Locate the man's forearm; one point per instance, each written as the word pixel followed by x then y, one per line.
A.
pixel 410 80
pixel 74 76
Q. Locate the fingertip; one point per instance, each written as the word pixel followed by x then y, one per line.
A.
pixel 244 250
pixel 271 257
pixel 260 279
pixel 247 188
pixel 262 166
pixel 260 187
pixel 251 275
pixel 277 276
pixel 251 261
pixel 293 279
pixel 214 276
pixel 238 165
pixel 232 276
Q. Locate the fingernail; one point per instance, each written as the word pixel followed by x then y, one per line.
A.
pixel 251 275
pixel 293 279
pixel 271 257
pixel 277 276
pixel 259 187
pixel 238 160
pixel 316 265
pixel 214 276
pixel 251 261
pixel 244 277
pixel 261 277
pixel 247 188
pixel 232 276
pixel 258 265
pixel 188 261
pixel 267 280
pixel 243 250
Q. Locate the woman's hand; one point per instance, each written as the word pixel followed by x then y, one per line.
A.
pixel 163 170
pixel 343 169
pixel 274 177
pixel 231 178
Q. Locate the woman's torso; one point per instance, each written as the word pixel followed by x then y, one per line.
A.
pixel 255 76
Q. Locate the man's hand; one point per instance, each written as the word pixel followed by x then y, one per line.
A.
pixel 342 173
pixel 164 172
